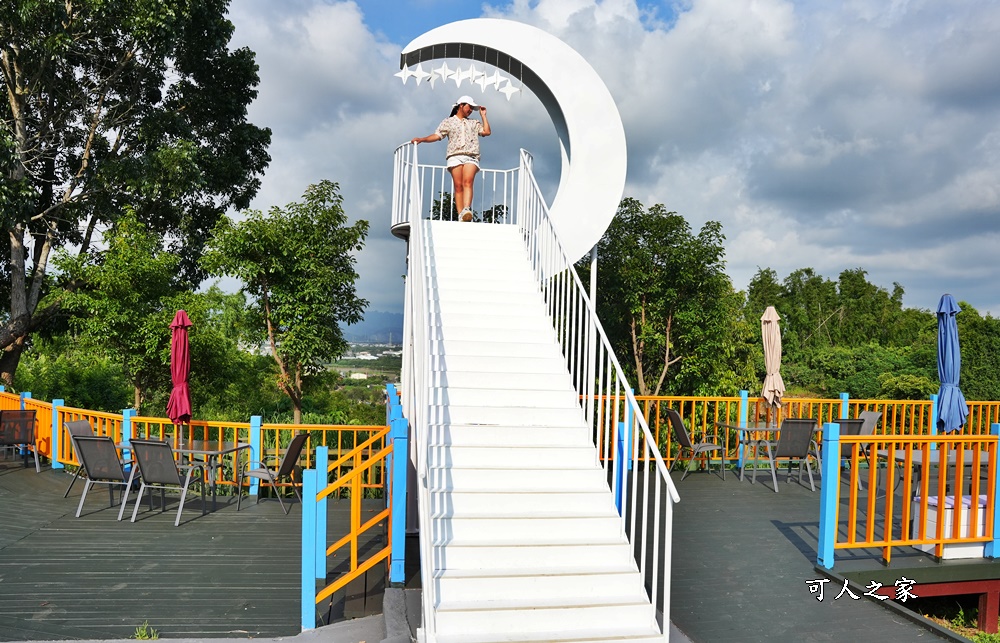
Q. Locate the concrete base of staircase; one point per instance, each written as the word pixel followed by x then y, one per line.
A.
pixel 401 609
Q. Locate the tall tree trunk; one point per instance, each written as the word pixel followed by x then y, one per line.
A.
pixel 9 359
pixel 138 398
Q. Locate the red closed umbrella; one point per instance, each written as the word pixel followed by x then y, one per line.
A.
pixel 179 405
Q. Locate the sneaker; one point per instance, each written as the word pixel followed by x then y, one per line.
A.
pixel 466 215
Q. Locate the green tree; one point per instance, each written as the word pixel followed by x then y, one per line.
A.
pixel 296 265
pixel 666 302
pixel 112 105
pixel 127 297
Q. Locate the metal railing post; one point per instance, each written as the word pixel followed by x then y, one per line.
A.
pixel 844 400
pixel 256 449
pixel 398 433
pixel 322 480
pixel 25 396
pixel 308 594
pixel 56 438
pixel 744 414
pixel 828 496
pixel 992 549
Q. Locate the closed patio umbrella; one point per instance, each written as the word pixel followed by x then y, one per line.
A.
pixel 773 387
pixel 179 404
pixel 952 409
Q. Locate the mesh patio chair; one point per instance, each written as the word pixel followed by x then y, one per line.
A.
pixel 694 450
pixel 159 470
pixel 17 428
pixel 75 429
pixel 794 442
pixel 285 470
pixel 100 462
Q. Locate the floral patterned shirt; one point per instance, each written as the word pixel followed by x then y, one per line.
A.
pixel 463 135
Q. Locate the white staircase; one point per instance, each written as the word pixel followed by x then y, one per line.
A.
pixel 525 541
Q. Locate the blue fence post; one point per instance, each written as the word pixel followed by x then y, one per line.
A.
pixel 992 549
pixel 744 414
pixel 308 597
pixel 828 496
pixel 25 396
pixel 322 463
pixel 844 399
pixel 399 433
pixel 56 438
pixel 256 449
pixel 128 431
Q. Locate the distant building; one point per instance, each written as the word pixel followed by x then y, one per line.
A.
pixel 359 376
pixel 365 356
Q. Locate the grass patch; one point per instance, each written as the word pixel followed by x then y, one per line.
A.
pixel 959 614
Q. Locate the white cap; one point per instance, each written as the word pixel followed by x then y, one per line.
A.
pixel 466 99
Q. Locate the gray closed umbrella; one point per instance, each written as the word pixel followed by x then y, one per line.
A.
pixel 773 387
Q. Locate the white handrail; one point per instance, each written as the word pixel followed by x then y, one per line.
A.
pixel 603 389
pixel 408 205
pixel 594 369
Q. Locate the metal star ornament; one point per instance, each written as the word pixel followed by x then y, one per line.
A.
pixel 444 71
pixel 404 74
pixel 419 73
pixel 509 90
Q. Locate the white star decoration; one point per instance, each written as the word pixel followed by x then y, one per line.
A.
pixel 444 73
pixel 404 73
pixel 419 73
pixel 508 90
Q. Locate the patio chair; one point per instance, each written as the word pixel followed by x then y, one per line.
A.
pixel 694 450
pixel 99 459
pixel 285 470
pixel 159 470
pixel 794 443
pixel 75 429
pixel 17 428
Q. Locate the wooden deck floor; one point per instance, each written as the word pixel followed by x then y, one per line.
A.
pixel 226 574
pixel 742 556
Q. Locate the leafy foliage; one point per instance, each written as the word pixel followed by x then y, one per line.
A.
pixel 115 107
pixel 296 265
pixel 665 301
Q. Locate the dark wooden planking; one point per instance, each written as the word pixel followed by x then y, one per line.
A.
pixel 741 557
pixel 225 574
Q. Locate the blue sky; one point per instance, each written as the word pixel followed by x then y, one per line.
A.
pixel 855 134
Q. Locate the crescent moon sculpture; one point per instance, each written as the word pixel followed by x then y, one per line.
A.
pixel 586 119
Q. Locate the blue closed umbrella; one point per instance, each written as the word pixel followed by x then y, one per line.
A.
pixel 952 409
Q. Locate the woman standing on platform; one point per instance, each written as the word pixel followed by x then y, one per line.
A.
pixel 463 149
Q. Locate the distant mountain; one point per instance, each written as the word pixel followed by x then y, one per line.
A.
pixel 376 328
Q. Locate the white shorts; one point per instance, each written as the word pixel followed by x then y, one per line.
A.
pixel 462 159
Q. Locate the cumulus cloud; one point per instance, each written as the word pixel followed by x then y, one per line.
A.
pixel 825 135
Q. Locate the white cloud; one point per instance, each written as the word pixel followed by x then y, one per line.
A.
pixel 825 135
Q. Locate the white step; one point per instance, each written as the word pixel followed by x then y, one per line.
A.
pixel 494 380
pixel 482 295
pixel 530 346
pixel 525 557
pixel 485 585
pixel 484 397
pixel 447 285
pixel 514 436
pixel 496 364
pixel 563 457
pixel 506 503
pixel 498 336
pixel 521 616
pixel 519 530
pixel 620 634
pixel 449 317
pixel 518 416
pixel 484 478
